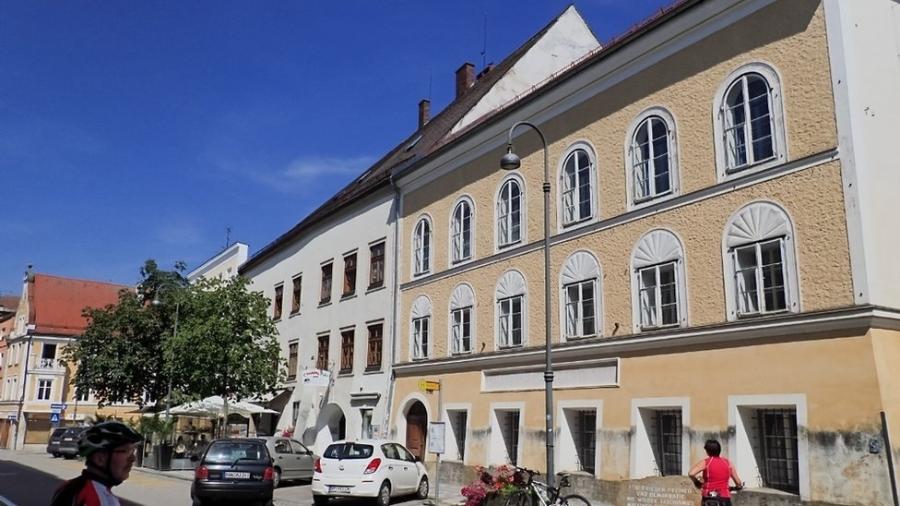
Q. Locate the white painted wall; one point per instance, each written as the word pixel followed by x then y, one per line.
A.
pixel 864 46
pixel 353 228
pixel 223 265
pixel 567 41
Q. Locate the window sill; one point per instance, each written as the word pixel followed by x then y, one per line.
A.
pixel 294 314
pixel 373 370
pixel 457 263
pixel 419 359
pixel 511 346
pixel 323 303
pixel 378 288
pixel 276 319
pixel 422 274
pixel 655 199
pixel 348 296
pixel 750 316
pixel 501 247
pixel 727 173
pixel 460 353
pixel 577 223
pixel 345 373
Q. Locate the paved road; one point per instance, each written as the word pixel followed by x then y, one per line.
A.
pixel 28 479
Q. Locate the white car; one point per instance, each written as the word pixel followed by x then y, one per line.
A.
pixel 372 468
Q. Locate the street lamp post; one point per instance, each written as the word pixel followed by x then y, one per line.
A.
pixel 157 302
pixel 511 161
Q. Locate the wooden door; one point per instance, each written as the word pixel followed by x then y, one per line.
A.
pixel 416 429
pixel 4 433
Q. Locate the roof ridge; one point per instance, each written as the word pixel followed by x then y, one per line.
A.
pixel 83 280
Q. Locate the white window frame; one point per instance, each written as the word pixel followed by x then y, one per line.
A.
pixel 457 247
pixel 506 319
pixel 497 453
pixel 777 119
pixel 566 453
pixel 759 222
pixel 48 390
pixel 420 312
pixel 419 267
pixel 499 218
pixel 459 320
pixel 740 444
pixel 668 119
pixel 512 284
pixel 643 459
pixel 579 305
pixel 658 247
pixel 562 224
pixel 462 303
pixel 450 434
pixel 581 266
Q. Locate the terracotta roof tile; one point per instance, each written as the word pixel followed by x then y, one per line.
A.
pixel 56 303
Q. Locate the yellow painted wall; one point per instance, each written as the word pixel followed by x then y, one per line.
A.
pixel 837 376
pixel 813 198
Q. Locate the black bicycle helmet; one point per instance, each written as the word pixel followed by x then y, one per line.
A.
pixel 106 436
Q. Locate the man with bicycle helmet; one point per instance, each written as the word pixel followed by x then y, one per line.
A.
pixel 108 451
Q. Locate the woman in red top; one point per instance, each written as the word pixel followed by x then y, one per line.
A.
pixel 713 473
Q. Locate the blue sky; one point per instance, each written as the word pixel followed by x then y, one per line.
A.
pixel 135 130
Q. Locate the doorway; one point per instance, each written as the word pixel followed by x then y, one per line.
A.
pixel 416 429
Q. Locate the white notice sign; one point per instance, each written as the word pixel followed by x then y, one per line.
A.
pixel 436 434
pixel 316 377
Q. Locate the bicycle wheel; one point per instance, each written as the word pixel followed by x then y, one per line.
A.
pixel 574 500
pixel 521 498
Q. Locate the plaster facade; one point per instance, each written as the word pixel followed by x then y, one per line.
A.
pixel 821 365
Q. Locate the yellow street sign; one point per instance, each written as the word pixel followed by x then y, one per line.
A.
pixel 429 386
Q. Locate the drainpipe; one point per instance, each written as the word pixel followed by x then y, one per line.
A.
pixel 29 331
pixel 890 458
pixel 395 288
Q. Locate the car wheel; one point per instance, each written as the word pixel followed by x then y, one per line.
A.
pixel 196 501
pixel 56 455
pixel 384 495
pixel 68 457
pixel 276 479
pixel 422 491
pixel 320 500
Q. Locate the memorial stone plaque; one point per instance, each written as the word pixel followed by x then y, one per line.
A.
pixel 659 491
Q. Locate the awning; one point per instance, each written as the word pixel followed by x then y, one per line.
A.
pixel 215 406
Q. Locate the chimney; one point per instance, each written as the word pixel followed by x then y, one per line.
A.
pixel 424 112
pixel 465 78
pixel 485 70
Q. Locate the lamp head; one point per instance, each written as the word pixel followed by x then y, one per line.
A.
pixel 510 160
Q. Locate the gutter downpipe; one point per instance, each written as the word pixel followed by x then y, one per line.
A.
pixel 395 288
pixel 30 331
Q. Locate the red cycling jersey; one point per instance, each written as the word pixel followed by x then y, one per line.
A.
pixel 85 490
pixel 716 476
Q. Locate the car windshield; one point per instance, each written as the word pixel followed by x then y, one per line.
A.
pixel 58 433
pixel 348 451
pixel 230 452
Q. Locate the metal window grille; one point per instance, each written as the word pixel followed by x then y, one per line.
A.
pixel 586 439
pixel 668 441
pixel 778 437
pixel 458 420
pixel 509 425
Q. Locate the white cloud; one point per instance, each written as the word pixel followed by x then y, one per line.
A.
pixel 305 169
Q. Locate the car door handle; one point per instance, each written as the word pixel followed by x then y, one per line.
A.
pixel 390 467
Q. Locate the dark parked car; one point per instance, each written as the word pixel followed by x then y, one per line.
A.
pixel 68 442
pixel 238 470
pixel 53 443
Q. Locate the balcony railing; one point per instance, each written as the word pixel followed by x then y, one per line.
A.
pixel 49 363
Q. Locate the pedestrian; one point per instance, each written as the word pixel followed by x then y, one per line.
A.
pixel 108 450
pixel 711 475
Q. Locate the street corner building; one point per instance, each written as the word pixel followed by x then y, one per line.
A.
pixel 37 391
pixel 723 261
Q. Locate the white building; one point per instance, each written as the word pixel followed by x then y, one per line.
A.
pixel 223 265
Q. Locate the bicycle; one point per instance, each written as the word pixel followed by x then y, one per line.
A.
pixel 537 493
pixel 715 501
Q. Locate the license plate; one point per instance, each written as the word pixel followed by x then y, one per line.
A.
pixel 67 439
pixel 230 475
pixel 339 490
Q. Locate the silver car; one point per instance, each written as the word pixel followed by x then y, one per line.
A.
pixel 291 460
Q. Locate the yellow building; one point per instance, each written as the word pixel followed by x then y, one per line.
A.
pixel 37 385
pixel 718 268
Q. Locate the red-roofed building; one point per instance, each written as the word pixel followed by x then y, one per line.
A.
pixel 48 316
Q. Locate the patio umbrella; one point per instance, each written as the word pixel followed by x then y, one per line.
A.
pixel 215 406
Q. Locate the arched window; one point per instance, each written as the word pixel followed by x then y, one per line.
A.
pixel 462 304
pixel 580 280
pixel 510 295
pixel 461 232
pixel 509 213
pixel 422 247
pixel 577 187
pixel 652 156
pixel 420 328
pixel 749 120
pixel 658 282
pixel 758 250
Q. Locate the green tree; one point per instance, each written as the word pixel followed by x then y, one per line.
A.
pixel 226 344
pixel 120 356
